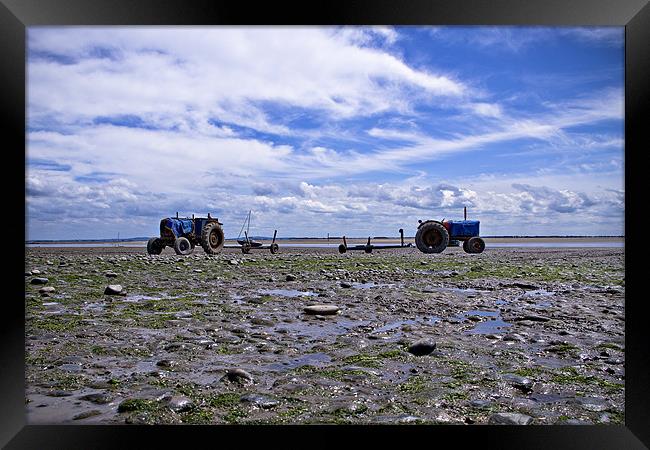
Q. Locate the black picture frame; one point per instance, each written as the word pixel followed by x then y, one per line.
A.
pixel 16 15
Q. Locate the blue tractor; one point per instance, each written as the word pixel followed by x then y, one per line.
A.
pixel 434 236
pixel 183 234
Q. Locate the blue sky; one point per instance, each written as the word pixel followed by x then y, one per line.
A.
pixel 341 130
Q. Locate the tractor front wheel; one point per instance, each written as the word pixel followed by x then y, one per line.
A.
pixel 274 248
pixel 212 238
pixel 182 246
pixel 246 248
pixel 431 237
pixel 155 246
pixel 475 245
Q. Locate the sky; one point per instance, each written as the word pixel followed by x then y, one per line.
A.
pixel 355 131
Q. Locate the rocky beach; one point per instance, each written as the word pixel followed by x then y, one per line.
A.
pixel 309 336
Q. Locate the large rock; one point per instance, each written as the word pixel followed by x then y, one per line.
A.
pixel 322 310
pixel 509 419
pixel 39 280
pixel 46 290
pixel 422 348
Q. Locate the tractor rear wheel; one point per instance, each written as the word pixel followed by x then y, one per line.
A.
pixel 342 249
pixel 154 246
pixel 475 245
pixel 182 246
pixel 465 246
pixel 431 237
pixel 212 238
pixel 275 248
pixel 246 248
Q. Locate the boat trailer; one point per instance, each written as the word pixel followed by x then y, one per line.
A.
pixel 368 247
pixel 248 245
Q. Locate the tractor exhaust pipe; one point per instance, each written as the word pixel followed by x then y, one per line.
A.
pixel 465 211
pixel 401 233
pixel 274 234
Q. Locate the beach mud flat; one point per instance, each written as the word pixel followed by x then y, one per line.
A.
pixel 509 336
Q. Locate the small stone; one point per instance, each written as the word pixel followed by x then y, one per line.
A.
pixel 99 398
pixel 165 363
pixel 480 403
pixel 509 419
pixel 532 318
pixel 58 393
pixel 345 284
pixel 46 290
pixel 113 289
pixel 39 280
pixel 198 270
pixel 110 274
pixel 323 310
pixel 233 262
pixel 262 401
pixel 291 278
pixel 522 383
pixel 179 403
pixel 422 348
pixel 262 321
pixel 239 376
pixel 86 414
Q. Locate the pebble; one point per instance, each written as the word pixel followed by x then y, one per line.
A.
pixel 46 290
pixel 239 376
pixel 110 274
pixel 86 414
pixel 99 398
pixel 345 284
pixel 113 289
pixel 262 401
pixel 39 280
pixel 522 383
pixel 179 403
pixel 291 278
pixel 422 348
pixel 326 310
pixel 509 419
pixel 233 262
pixel 35 272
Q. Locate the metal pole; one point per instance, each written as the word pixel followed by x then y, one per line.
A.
pixel 465 211
pixel 401 233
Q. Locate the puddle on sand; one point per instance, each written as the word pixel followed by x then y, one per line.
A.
pixel 538 293
pixel 287 292
pixel 312 359
pixel 494 325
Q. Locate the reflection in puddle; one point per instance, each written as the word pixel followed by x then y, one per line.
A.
pixel 287 292
pixel 494 325
pixel 538 293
